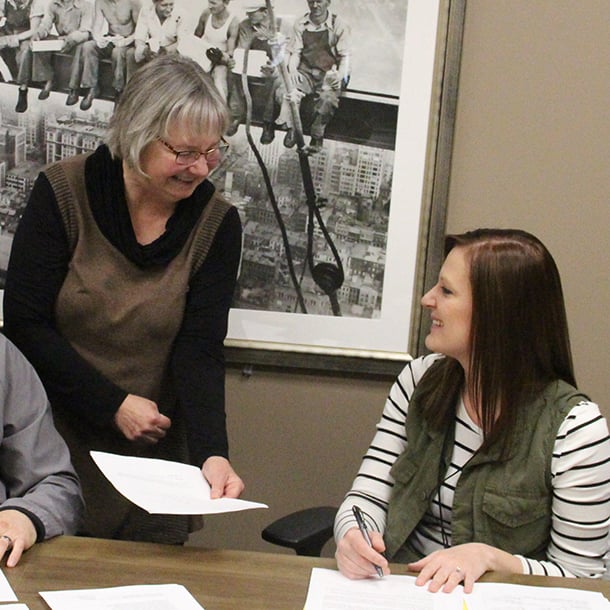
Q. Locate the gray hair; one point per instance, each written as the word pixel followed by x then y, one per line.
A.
pixel 168 90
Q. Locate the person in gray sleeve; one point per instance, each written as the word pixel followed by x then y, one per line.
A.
pixel 40 495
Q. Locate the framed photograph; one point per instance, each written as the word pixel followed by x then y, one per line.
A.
pixel 343 228
pixel 380 182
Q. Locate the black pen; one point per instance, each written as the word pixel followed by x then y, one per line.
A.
pixel 365 533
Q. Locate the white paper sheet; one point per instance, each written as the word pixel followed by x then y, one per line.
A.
pixel 256 60
pixel 53 44
pixel 6 591
pixel 329 590
pixel 491 596
pixel 195 48
pixel 164 487
pixel 135 597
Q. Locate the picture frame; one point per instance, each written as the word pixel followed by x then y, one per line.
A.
pixel 425 117
pixel 397 111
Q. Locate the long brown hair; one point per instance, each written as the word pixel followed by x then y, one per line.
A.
pixel 519 339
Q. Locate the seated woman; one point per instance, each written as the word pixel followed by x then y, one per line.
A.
pixel 486 457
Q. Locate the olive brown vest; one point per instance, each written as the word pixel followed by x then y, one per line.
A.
pixel 123 320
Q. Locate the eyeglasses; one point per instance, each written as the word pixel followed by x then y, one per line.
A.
pixel 213 156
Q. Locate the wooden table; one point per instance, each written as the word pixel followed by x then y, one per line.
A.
pixel 218 579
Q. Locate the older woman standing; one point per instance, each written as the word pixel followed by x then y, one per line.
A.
pixel 118 291
pixel 486 457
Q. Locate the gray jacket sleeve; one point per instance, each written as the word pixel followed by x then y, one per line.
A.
pixel 36 475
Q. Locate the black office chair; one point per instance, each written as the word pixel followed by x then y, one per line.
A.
pixel 306 531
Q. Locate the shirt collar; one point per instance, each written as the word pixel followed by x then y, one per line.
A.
pixel 327 23
pixel 67 3
pixel 16 5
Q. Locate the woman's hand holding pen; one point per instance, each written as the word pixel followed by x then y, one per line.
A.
pixel 356 559
pixel 139 420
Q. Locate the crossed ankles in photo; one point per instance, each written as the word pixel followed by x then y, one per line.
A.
pixel 290 139
pixel 233 127
pixel 315 144
pixel 88 99
pixel 45 92
pixel 72 97
pixel 268 134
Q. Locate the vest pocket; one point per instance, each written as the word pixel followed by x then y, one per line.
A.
pixel 408 503
pixel 404 468
pixel 517 522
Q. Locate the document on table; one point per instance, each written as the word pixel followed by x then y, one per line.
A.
pixel 497 596
pixel 165 487
pixel 329 590
pixel 135 597
pixel 6 591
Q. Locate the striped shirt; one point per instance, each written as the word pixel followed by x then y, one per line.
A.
pixel 580 474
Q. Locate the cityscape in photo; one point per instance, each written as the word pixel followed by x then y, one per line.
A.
pixel 352 182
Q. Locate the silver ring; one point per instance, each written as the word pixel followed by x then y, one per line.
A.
pixel 10 540
pixel 458 569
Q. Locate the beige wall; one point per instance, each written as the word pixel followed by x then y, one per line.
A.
pixel 532 146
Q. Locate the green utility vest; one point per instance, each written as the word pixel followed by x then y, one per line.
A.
pixel 503 502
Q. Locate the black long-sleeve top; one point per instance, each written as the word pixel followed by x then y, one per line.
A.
pixel 39 264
